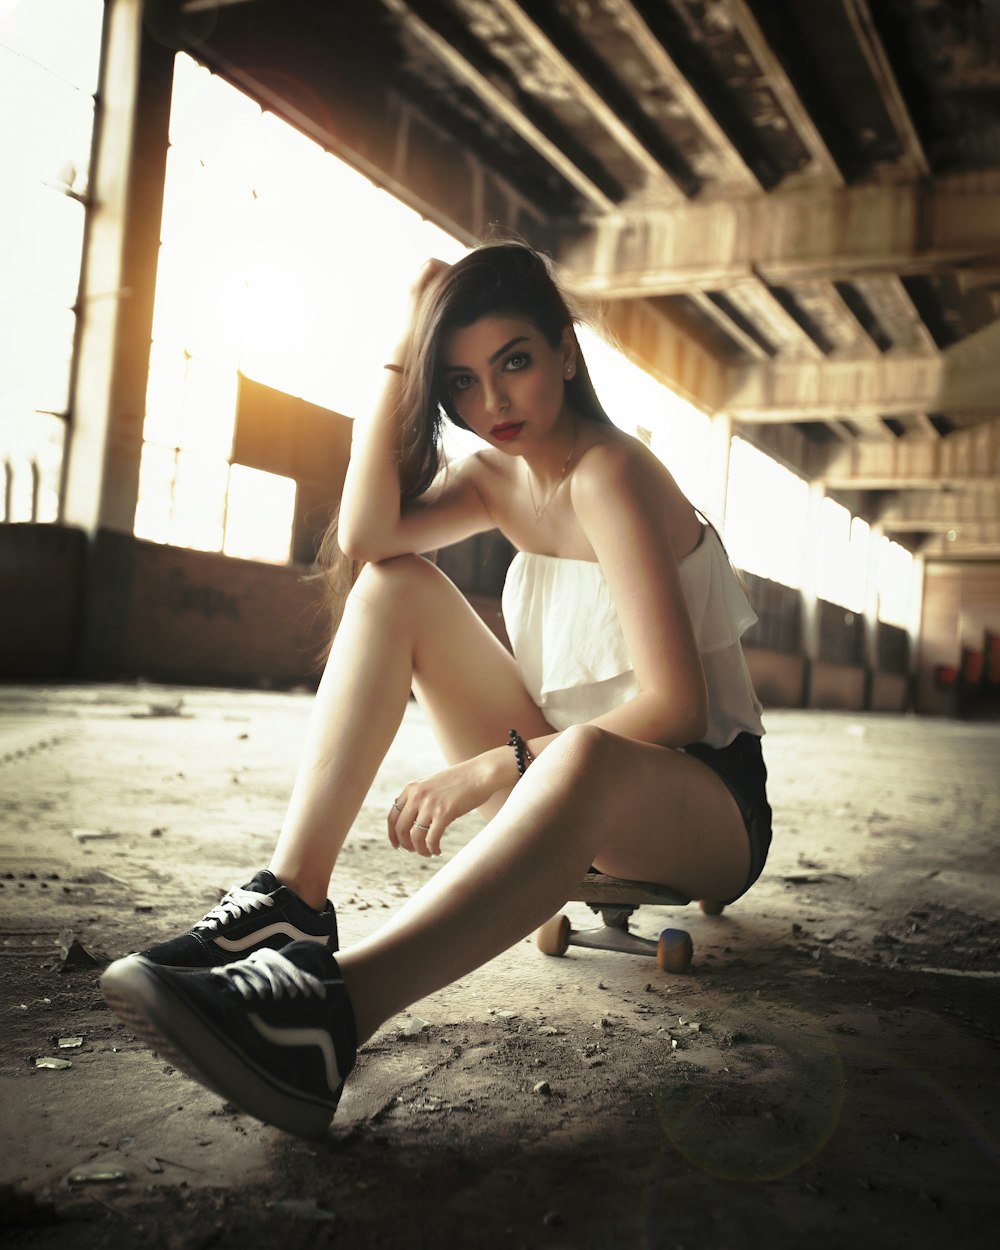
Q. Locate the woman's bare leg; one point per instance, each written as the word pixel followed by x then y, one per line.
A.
pixel 633 809
pixel 404 625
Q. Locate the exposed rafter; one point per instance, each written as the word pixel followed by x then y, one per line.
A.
pixel 602 112
pixel 761 307
pixel 499 103
pixel 833 233
pixel 729 325
pixel 735 168
pixel 785 390
pixel 929 511
pixel 823 163
pixel 889 300
pixel 200 6
pixel 966 459
pixel 870 42
pixel 968 543
pixel 923 425
pixel 823 304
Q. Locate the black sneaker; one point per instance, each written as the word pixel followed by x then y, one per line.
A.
pixel 274 1033
pixel 263 913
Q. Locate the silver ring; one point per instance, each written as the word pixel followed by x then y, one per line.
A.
pixel 396 806
pixel 426 828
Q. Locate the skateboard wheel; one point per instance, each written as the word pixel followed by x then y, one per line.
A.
pixel 674 951
pixel 710 908
pixel 553 937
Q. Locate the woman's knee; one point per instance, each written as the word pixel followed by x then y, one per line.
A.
pixel 396 577
pixel 586 752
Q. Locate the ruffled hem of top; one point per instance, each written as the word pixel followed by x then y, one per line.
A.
pixel 559 646
pixel 577 648
pixel 720 611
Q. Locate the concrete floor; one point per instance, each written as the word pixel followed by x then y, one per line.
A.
pixel 826 1075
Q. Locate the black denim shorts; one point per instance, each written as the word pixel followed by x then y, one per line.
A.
pixel 741 767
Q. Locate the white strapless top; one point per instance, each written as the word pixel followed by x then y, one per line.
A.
pixel 568 641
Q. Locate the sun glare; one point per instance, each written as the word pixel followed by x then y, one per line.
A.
pixel 277 261
pixel 47 90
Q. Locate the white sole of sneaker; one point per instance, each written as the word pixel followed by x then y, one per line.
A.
pixel 166 1023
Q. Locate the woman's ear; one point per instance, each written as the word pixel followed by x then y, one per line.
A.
pixel 568 349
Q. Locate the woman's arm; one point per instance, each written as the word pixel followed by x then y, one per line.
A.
pixel 627 506
pixel 373 523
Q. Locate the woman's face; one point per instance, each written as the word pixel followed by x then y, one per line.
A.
pixel 505 380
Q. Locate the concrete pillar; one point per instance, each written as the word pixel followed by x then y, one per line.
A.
pixel 914 630
pixel 875 535
pixel 809 591
pixel 115 307
pixel 720 441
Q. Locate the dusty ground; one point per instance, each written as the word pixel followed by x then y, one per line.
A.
pixel 826 1076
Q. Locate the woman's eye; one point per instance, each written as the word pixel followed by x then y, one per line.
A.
pixel 460 382
pixel 520 360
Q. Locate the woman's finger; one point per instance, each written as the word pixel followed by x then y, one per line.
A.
pixel 396 824
pixel 418 837
pixel 433 839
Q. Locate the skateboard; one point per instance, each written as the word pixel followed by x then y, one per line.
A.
pixel 614 900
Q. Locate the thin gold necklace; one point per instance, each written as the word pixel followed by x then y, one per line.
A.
pixel 540 512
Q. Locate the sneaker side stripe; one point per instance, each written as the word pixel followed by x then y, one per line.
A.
pixel 271 930
pixel 303 1037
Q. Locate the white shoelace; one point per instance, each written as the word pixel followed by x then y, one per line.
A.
pixel 268 973
pixel 237 902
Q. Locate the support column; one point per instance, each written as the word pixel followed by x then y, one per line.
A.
pixel 914 630
pixel 809 591
pixel 121 247
pixel 720 441
pixel 871 658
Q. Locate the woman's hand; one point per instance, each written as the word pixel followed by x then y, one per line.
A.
pixel 424 809
pixel 430 270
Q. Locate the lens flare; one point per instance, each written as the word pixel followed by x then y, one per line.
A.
pixel 771 1107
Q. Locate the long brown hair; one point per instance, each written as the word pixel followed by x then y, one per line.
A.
pixel 497 279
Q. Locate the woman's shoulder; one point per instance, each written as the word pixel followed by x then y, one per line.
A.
pixel 618 475
pixel 487 467
pixel 613 456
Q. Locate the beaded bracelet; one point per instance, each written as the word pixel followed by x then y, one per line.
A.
pixel 522 752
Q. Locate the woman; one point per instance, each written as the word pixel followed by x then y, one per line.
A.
pixel 625 618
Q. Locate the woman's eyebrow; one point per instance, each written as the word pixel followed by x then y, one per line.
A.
pixel 521 338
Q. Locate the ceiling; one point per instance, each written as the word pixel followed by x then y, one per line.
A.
pixel 791 208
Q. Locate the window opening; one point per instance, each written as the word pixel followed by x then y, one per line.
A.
pixel 49 62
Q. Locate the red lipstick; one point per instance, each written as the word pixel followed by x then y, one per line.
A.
pixel 506 430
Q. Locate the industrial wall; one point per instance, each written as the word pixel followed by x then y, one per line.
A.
pixel 115 607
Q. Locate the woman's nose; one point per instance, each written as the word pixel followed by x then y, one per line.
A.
pixel 496 397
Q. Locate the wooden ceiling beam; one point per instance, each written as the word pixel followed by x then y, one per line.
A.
pixel 500 104
pixel 737 171
pixel 528 30
pixel 761 307
pixel 923 425
pixel 873 50
pixel 962 545
pixel 963 386
pixel 817 232
pixel 822 161
pixel 728 325
pixel 200 6
pixel 965 460
pixel 914 511
pixel 890 302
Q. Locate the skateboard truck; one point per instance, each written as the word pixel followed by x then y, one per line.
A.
pixel 614 900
